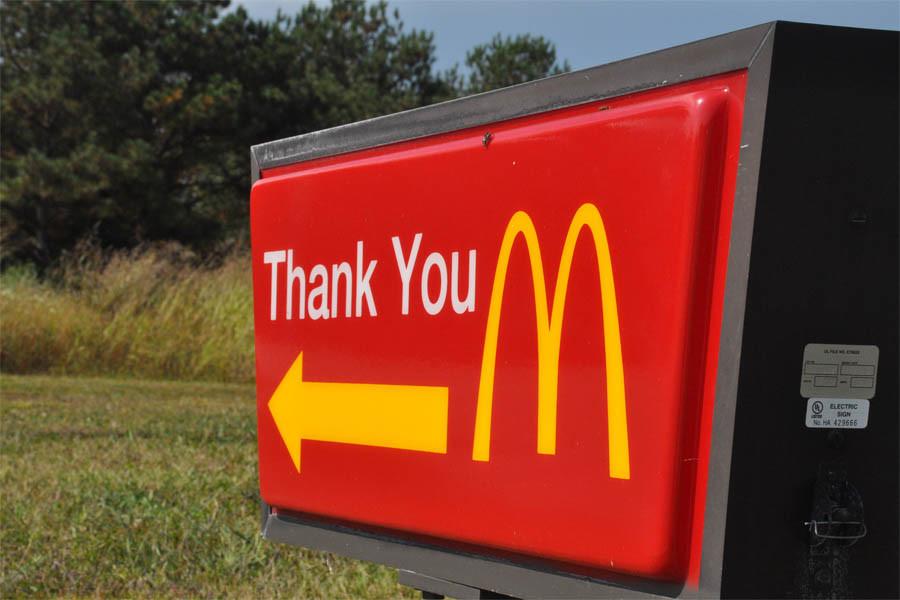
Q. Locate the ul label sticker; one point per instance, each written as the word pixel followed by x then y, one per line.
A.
pixel 839 371
pixel 833 413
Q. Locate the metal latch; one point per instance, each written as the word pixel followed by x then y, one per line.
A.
pixel 838 514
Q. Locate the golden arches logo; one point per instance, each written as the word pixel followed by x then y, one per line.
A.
pixel 549 322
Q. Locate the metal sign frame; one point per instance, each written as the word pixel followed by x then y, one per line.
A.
pixel 466 572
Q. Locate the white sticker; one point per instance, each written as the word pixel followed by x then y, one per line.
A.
pixel 837 413
pixel 839 371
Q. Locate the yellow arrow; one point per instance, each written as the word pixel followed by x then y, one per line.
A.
pixel 408 417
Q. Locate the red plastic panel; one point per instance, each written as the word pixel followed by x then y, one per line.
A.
pixel 386 403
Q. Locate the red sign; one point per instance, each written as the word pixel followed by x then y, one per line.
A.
pixel 504 337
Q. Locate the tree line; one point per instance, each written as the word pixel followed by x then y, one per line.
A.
pixel 130 122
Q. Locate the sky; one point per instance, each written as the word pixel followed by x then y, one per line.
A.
pixel 590 33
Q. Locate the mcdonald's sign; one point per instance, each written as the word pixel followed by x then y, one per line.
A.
pixel 549 334
pixel 501 343
pixel 490 346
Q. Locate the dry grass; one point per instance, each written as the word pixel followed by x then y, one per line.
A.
pixel 152 313
pixel 146 489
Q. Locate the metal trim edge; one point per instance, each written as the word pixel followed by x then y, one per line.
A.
pixel 731 332
pixel 703 58
pixel 522 581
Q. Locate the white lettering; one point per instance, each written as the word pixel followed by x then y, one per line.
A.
pixel 469 304
pixel 308 294
pixel 341 270
pixel 274 258
pixel 363 288
pixel 320 291
pixel 405 267
pixel 434 260
pixel 294 274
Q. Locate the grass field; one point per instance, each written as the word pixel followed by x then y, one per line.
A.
pixel 139 488
pixel 152 313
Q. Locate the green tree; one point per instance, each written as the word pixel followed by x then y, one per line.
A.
pixel 506 61
pixel 131 121
pixel 108 111
pixel 327 65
